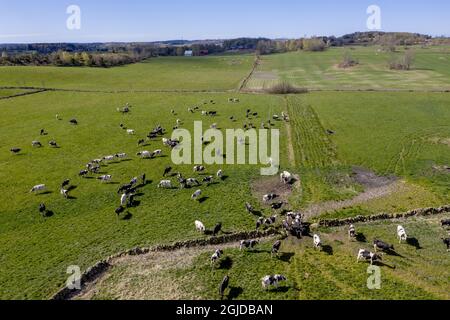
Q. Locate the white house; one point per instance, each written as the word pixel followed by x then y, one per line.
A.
pixel 188 53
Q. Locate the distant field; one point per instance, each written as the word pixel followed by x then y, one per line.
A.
pixel 332 274
pixel 402 134
pixel 165 73
pixel 319 70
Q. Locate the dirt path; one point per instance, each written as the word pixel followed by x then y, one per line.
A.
pixel 369 194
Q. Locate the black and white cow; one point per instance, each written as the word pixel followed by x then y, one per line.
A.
pixel 199 169
pixel 445 223
pixel 273 280
pixel 223 286
pixel 383 246
pixel 249 208
pixel 217 229
pixel 367 255
pixel 276 247
pixel 216 256
pixel 248 244
pixel 269 197
pixel 351 232
pixel 15 150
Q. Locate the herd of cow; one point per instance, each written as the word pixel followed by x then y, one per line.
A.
pixel 294 224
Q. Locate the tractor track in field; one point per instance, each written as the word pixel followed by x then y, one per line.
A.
pixel 23 94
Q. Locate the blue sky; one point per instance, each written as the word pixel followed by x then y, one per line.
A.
pixel 139 20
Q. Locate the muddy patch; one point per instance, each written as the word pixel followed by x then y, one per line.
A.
pixel 369 180
pixel 268 185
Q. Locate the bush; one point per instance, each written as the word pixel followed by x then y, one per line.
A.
pixel 314 44
pixel 404 63
pixel 285 88
pixel 348 61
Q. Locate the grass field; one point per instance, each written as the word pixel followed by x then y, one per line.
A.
pixel 332 274
pixel 320 70
pixel 174 73
pixel 36 252
pixel 404 134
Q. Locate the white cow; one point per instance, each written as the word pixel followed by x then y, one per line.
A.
pixel 105 178
pixel 145 154
pixel 286 177
pixel 220 174
pixel 37 188
pixel 196 195
pixel 317 242
pixel 200 226
pixel 108 158
pixel 167 184
pixel 157 152
pixel 401 233
pixel 275 280
pixel 131 132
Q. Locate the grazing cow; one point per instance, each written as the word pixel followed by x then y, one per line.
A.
pixel 65 183
pixel 445 223
pixel 208 180
pixel 269 197
pixel 142 141
pixel 447 243
pixel 167 170
pixel 64 193
pixel 109 158
pixel 131 132
pixel 145 154
pixel 125 187
pixel 249 208
pixel 273 280
pixel 276 247
pixel 217 229
pixel 192 182
pixel 166 184
pixel 36 144
pixel 83 173
pixel 352 232
pixel 259 222
pixel 134 181
pixel 216 256
pixel 105 178
pixel 270 221
pixel 383 246
pixel 120 210
pixel 121 156
pixel 37 188
pixel 401 233
pixel 223 286
pixel 74 122
pixel 196 195
pixel 123 199
pixel 220 174
pixel 15 150
pixel 53 144
pixel 317 242
pixel 42 208
pixel 277 206
pixel 248 244
pixel 157 152
pixel 199 169
pixel 144 179
pixel 367 255
pixel 200 226
pixel 286 177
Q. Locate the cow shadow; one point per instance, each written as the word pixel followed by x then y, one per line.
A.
pixel 224 178
pixel 257 213
pixel 328 250
pixel 226 264
pixel 283 289
pixel 391 252
pixel 127 217
pixel 44 193
pixel 286 256
pixel 203 199
pixel 48 214
pixel 72 198
pixel 71 188
pixel 383 264
pixel 235 292
pixel 360 237
pixel 414 243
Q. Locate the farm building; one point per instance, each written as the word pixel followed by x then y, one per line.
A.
pixel 188 53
